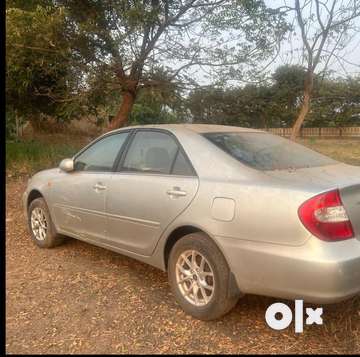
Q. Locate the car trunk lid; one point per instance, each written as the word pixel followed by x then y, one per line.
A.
pixel 321 178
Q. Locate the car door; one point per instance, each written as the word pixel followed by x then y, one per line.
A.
pixel 155 182
pixel 79 196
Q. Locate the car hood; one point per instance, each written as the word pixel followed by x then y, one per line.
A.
pixel 319 178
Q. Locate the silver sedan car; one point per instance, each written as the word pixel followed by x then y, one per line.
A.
pixel 224 210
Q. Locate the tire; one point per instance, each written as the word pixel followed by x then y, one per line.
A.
pixel 224 293
pixel 47 238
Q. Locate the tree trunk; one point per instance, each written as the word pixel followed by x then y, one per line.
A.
pixel 264 122
pixel 122 116
pixel 305 107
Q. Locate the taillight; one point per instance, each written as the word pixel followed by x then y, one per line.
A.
pixel 325 217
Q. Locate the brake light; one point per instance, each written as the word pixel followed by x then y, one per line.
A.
pixel 325 217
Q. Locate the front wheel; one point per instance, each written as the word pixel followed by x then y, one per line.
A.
pixel 200 278
pixel 42 229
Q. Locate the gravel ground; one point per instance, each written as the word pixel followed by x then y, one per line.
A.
pixel 78 298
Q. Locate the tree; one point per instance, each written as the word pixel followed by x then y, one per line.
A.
pixel 133 39
pixel 325 28
pixel 249 106
pixel 47 75
pixel 335 102
pixel 267 104
pixel 38 67
pixel 163 104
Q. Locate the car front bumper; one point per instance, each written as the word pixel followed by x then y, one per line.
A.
pixel 317 272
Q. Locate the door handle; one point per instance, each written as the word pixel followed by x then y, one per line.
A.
pixel 99 187
pixel 176 191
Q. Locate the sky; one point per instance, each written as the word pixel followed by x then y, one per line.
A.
pixel 291 48
pixel 351 65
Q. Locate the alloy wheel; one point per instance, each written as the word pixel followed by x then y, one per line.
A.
pixel 195 278
pixel 39 225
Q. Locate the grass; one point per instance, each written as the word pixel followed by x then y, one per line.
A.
pixel 345 149
pixel 26 157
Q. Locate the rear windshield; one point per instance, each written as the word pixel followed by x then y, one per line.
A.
pixel 265 151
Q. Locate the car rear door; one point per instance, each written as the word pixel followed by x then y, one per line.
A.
pixel 155 182
pixel 79 196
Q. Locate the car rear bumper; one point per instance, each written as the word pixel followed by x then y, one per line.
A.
pixel 317 272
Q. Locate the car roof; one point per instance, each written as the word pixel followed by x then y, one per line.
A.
pixel 198 128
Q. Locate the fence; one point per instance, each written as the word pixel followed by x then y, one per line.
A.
pixel 323 132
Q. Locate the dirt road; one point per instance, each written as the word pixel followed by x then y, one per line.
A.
pixel 78 298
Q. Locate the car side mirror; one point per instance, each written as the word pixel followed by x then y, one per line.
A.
pixel 67 165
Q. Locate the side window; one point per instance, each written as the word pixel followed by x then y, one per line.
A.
pixel 151 151
pixel 182 166
pixel 101 155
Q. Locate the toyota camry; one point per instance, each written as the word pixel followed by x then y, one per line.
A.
pixel 224 210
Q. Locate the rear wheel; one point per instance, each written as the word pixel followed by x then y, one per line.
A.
pixel 42 229
pixel 200 278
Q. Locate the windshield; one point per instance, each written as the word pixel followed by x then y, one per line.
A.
pixel 265 151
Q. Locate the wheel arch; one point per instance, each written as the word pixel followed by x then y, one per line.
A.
pixel 182 231
pixel 174 236
pixel 33 195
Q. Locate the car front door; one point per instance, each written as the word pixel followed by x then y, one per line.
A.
pixel 79 196
pixel 155 182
